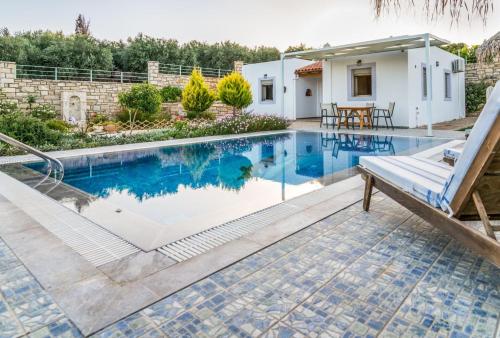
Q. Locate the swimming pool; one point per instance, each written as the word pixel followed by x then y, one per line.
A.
pixel 172 192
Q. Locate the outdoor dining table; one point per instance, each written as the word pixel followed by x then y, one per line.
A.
pixel 361 113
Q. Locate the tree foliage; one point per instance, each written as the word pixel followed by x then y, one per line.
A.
pixel 45 48
pixel 462 49
pixel 197 96
pixel 298 48
pixel 235 91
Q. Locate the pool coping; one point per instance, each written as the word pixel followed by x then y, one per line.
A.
pixel 94 298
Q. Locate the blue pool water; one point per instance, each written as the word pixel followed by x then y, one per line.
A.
pixel 219 181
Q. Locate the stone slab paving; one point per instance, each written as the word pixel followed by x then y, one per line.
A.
pixel 383 273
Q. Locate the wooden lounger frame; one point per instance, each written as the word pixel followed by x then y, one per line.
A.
pixel 478 198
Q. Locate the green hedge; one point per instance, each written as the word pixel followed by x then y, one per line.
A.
pixel 29 130
pixel 171 94
pixel 475 97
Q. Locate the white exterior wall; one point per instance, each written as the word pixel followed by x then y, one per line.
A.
pixel 307 106
pixel 391 82
pixel 442 110
pixel 255 72
pixel 399 79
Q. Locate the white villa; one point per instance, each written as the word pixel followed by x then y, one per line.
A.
pixel 378 71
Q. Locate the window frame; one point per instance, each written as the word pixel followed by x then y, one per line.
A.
pixel 447 72
pixel 424 83
pixel 273 79
pixel 350 82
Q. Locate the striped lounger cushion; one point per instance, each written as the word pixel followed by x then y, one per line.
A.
pixel 424 179
pixel 478 134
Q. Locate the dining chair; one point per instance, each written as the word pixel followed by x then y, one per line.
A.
pixel 384 113
pixel 326 114
pixel 369 118
pixel 337 116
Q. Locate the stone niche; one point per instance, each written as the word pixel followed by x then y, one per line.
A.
pixel 74 104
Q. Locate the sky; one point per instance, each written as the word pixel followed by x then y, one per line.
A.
pixel 278 23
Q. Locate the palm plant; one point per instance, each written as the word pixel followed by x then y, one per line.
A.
pixel 438 8
pixel 489 49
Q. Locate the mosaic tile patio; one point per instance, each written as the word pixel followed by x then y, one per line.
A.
pixel 355 274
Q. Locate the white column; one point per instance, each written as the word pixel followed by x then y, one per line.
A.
pixel 282 84
pixel 428 99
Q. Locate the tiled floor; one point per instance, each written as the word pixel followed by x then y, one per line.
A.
pixel 383 273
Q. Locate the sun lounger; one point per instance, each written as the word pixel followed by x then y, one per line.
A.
pixel 444 195
pixel 451 155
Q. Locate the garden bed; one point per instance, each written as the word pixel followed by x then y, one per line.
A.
pixel 57 140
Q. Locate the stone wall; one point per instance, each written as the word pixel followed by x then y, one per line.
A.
pixel 219 108
pixel 99 97
pixel 483 72
pixel 163 80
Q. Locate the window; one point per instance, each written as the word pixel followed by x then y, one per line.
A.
pixel 362 82
pixel 267 90
pixel 361 86
pixel 267 154
pixel 424 82
pixel 447 85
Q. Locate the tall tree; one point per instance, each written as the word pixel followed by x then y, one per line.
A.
pixel 82 25
pixel 437 8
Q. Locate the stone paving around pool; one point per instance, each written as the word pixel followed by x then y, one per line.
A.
pixel 383 273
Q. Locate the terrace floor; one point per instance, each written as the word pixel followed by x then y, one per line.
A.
pixel 354 273
pixel 441 130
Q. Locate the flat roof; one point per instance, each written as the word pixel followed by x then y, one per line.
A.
pixel 404 42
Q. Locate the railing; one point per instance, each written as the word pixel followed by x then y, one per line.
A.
pixel 77 74
pixel 166 68
pixel 51 161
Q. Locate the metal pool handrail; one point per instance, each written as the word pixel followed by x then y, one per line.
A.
pixel 47 158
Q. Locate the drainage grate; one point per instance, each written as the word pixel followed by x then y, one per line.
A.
pixel 94 243
pixel 204 241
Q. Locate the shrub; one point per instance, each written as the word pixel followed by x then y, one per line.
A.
pixel 28 129
pixel 31 100
pixel 475 96
pixel 44 112
pixel 171 94
pixel 7 107
pixel 58 125
pixel 98 119
pixel 235 91
pixel 141 102
pixel 196 96
pixel 207 115
pixel 142 98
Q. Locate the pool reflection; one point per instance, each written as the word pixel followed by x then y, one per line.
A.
pixel 222 180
